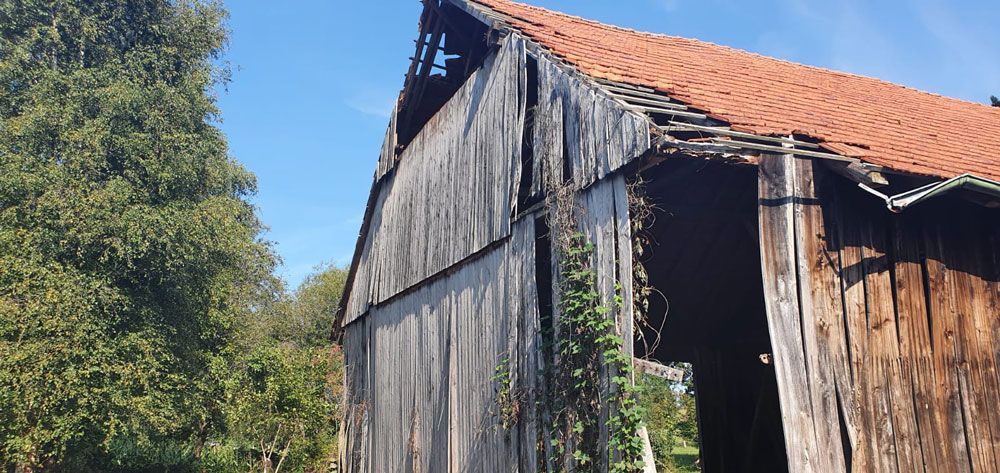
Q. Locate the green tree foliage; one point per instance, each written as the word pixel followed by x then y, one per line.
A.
pixel 662 416
pixel 128 249
pixel 994 101
pixel 282 384
pixel 308 316
pixel 671 419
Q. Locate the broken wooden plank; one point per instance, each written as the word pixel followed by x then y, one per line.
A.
pixel 820 309
pixel 777 242
pixel 653 368
pixel 915 345
pixel 715 130
pixel 592 137
pixel 860 173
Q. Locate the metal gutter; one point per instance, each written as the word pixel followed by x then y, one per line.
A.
pixel 900 202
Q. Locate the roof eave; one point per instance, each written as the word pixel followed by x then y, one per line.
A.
pixel 970 182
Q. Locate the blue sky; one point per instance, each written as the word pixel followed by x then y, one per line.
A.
pixel 314 80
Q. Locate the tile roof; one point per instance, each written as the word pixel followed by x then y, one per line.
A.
pixel 897 127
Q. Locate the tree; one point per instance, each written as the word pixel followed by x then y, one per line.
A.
pixel 661 418
pixel 283 383
pixel 128 249
pixel 671 419
pixel 994 101
pixel 309 315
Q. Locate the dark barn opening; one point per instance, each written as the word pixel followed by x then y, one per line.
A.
pixel 707 308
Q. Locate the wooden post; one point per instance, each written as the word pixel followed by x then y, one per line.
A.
pixel 799 298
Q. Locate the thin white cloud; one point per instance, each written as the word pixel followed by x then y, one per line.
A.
pixel 804 10
pixel 669 5
pixel 853 42
pixel 945 49
pixel 377 103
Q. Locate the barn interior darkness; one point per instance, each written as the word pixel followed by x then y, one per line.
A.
pixel 707 307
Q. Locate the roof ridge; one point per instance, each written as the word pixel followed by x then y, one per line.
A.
pixel 486 3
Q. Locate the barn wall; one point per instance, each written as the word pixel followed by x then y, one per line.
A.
pixel 885 326
pixel 603 218
pixel 421 370
pixel 580 133
pixel 387 156
pixel 451 193
pixel 444 285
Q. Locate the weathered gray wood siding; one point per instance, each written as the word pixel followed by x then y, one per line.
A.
pixel 581 128
pixel 387 157
pixel 444 287
pixel 604 220
pixel 885 327
pixel 420 370
pixel 452 190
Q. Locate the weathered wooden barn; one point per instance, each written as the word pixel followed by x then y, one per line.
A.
pixel 824 248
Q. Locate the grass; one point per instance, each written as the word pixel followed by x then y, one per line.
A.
pixel 685 459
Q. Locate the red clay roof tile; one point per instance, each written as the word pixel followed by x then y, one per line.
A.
pixel 897 127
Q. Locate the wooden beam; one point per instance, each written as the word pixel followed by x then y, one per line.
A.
pixel 624 85
pixel 420 83
pixel 455 28
pixel 857 172
pixel 425 18
pixel 648 459
pixel 778 149
pixel 715 130
pixel 653 368
pixel 632 92
pixel 661 102
pixel 671 112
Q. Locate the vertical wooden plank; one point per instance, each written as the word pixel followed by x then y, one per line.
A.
pixel 915 346
pixel 966 298
pixel 868 451
pixel 989 303
pixel 387 157
pixel 894 391
pixel 424 220
pixel 945 358
pixel 820 305
pixel 980 338
pixel 776 195
pixel 623 237
pixel 596 219
pixel 529 349
pixel 354 427
pixel 599 135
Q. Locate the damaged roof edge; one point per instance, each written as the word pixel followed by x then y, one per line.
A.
pixel 900 202
pixel 895 203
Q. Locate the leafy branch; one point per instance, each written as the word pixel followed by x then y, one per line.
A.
pixel 588 349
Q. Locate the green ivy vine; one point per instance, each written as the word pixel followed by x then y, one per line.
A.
pixel 507 400
pixel 589 348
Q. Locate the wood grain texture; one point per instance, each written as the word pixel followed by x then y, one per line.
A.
pixel 897 321
pixel 420 370
pixel 603 219
pixel 452 191
pixel 777 214
pixel 581 130
pixel 387 156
